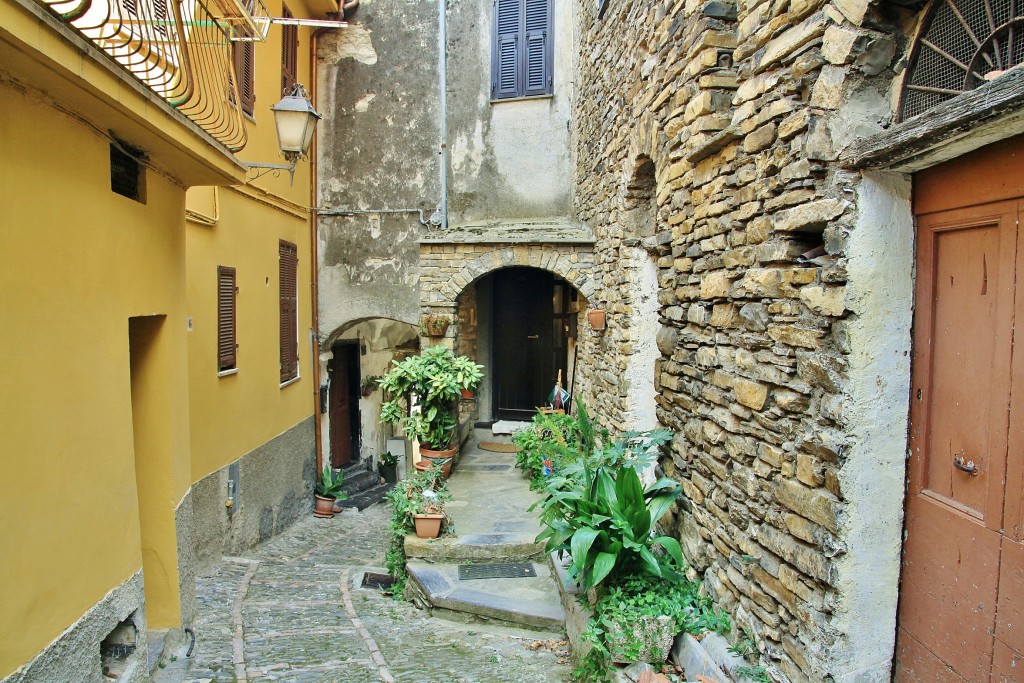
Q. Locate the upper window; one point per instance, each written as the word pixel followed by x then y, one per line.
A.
pixel 521 57
pixel 289 261
pixel 289 53
pixel 244 54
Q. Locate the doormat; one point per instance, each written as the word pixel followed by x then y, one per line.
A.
pixel 502 570
pixel 466 467
pixel 375 580
pixel 499 447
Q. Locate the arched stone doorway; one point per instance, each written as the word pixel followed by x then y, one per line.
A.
pixel 353 356
pixel 521 323
pixel 495 290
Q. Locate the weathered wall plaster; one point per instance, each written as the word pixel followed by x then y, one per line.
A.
pixel 74 656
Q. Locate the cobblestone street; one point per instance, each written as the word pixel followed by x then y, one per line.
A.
pixel 292 610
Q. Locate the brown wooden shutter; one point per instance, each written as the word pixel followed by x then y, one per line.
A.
pixel 289 311
pixel 245 69
pixel 289 54
pixel 226 319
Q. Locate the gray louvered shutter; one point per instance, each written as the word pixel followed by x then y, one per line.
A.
pixel 505 59
pixel 537 58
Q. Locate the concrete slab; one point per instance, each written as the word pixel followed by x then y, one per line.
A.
pixel 527 601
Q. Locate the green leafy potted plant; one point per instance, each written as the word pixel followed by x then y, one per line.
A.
pixel 433 381
pixel 428 513
pixel 435 324
pixel 329 489
pixel 369 384
pixel 387 465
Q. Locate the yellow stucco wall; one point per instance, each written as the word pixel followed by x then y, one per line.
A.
pixel 232 415
pixel 80 261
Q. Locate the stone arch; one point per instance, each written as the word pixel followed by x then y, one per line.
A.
pixel 533 256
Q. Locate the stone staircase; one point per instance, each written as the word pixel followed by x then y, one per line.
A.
pixel 363 487
pixel 492 525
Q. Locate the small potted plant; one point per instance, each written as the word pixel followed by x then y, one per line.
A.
pixel 428 511
pixel 435 324
pixel 387 465
pixel 369 384
pixel 433 381
pixel 329 489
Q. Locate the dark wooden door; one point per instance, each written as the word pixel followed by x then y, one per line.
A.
pixel 343 371
pixel 528 351
pixel 962 588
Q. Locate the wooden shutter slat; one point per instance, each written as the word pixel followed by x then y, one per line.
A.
pixel 289 334
pixel 226 319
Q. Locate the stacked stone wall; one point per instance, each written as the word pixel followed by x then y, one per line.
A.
pixel 741 111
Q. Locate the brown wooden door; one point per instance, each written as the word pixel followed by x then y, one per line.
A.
pixel 343 371
pixel 962 587
pixel 529 346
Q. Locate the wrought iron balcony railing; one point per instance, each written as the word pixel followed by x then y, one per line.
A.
pixel 179 49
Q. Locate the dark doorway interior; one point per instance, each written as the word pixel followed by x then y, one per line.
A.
pixel 530 308
pixel 343 371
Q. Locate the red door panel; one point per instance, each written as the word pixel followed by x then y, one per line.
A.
pixel 963 337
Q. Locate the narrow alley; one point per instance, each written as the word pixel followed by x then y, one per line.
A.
pixel 293 610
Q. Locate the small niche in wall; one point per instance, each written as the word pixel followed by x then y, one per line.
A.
pixel 127 176
pixel 118 647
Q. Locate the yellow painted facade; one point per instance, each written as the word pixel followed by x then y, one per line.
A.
pixel 110 407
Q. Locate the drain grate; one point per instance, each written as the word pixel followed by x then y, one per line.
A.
pixel 375 580
pixel 503 570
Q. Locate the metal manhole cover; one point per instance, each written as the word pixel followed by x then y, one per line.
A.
pixel 503 570
pixel 375 580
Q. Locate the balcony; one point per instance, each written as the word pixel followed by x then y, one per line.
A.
pixel 181 51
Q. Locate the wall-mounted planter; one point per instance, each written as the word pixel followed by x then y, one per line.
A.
pixel 435 326
pixel 596 317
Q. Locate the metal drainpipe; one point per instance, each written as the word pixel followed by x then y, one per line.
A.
pixel 443 65
pixel 315 260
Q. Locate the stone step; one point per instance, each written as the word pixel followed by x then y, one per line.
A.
pixel 365 498
pixel 512 546
pixel 358 478
pixel 531 602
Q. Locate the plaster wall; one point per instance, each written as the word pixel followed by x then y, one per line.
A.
pixel 379 150
pixel 273 486
pixel 880 294
pixel 509 160
pixel 85 264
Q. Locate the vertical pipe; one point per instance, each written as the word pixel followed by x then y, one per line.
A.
pixel 314 259
pixel 442 21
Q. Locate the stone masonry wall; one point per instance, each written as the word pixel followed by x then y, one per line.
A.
pixel 743 110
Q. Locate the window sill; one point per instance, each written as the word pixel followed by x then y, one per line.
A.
pixel 227 373
pixel 549 96
pixel 290 382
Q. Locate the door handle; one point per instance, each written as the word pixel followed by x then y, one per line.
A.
pixel 964 465
pixel 533 336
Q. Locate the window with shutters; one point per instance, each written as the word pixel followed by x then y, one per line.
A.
pixel 227 346
pixel 244 57
pixel 289 311
pixel 289 54
pixel 521 59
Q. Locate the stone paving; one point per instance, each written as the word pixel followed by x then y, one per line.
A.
pixel 292 610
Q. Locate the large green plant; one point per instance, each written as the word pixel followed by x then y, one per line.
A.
pixel 435 379
pixel 605 518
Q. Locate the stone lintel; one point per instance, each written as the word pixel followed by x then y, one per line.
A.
pixel 541 232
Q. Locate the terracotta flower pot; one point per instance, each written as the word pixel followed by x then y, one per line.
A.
pixel 428 526
pixel 597 319
pixel 467 394
pixel 324 507
pixel 444 458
